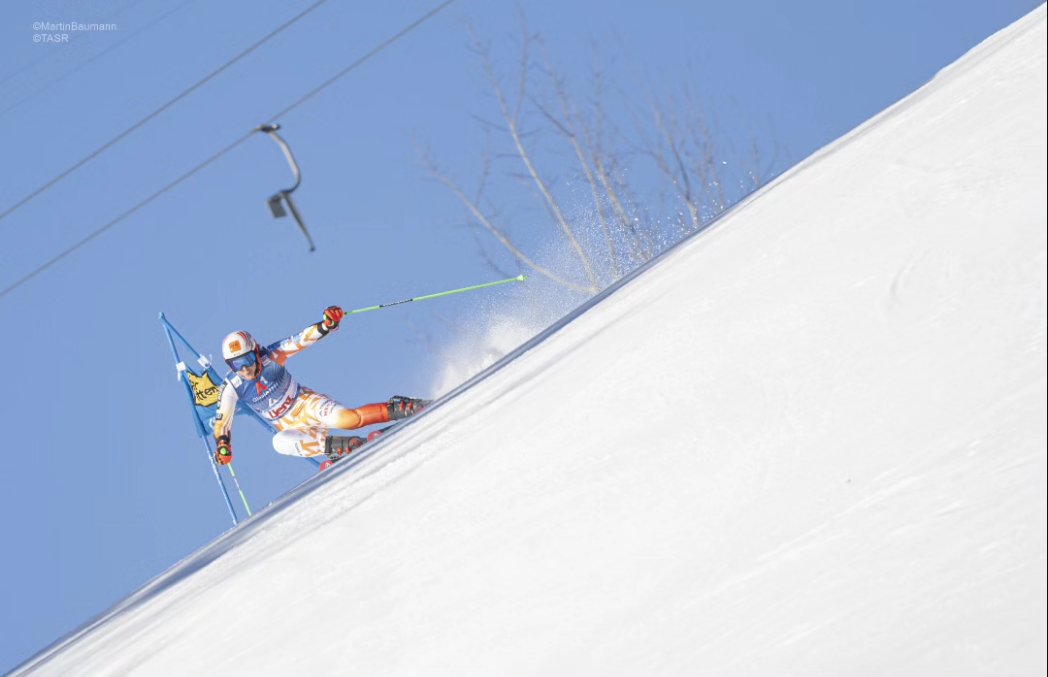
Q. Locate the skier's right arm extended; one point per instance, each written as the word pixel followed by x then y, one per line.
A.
pixel 227 406
pixel 279 352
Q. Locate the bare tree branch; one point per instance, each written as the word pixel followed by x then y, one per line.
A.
pixel 512 123
pixel 497 233
pixel 635 213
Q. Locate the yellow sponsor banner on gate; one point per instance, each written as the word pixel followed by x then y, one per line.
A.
pixel 205 392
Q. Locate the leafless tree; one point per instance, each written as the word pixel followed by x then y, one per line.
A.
pixel 671 139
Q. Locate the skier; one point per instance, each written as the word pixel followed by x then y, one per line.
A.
pixel 301 416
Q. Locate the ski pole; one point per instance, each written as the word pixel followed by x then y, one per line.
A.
pixel 222 487
pixel 239 490
pixel 519 278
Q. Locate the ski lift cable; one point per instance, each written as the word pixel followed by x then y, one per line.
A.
pixel 345 71
pixel 83 64
pixel 69 250
pixel 76 39
pixel 186 92
pixel 366 57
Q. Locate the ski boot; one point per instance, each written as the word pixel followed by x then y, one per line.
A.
pixel 402 407
pixel 336 446
pixel 399 407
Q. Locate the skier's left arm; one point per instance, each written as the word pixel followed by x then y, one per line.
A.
pixel 292 345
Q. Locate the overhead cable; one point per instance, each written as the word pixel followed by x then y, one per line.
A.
pixel 69 250
pixel 127 132
pixel 50 54
pixel 66 252
pixel 83 64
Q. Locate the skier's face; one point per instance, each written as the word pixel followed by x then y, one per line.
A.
pixel 248 372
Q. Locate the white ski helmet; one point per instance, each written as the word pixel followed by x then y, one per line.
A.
pixel 236 344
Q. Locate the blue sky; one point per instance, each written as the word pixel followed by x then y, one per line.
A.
pixel 104 484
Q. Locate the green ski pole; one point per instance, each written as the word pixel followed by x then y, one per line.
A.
pixel 519 278
pixel 239 490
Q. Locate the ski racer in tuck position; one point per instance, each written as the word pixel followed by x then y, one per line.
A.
pixel 301 416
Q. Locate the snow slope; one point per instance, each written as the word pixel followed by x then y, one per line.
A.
pixel 810 440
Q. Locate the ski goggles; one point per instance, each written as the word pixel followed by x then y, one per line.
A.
pixel 241 361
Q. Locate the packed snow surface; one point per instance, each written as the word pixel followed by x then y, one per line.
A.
pixel 810 440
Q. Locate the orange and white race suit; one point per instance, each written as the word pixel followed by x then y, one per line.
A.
pixel 302 417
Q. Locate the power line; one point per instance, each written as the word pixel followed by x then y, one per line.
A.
pixel 127 132
pixel 313 92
